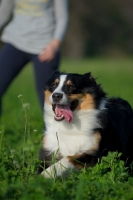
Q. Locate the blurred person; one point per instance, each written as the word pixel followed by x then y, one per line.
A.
pixel 34 34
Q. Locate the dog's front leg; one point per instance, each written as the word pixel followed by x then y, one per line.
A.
pixel 58 169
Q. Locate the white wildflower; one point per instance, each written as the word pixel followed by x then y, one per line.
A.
pixel 20 95
pixel 25 105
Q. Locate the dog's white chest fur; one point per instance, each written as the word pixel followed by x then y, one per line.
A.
pixel 70 138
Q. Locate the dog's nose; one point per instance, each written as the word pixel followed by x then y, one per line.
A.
pixel 57 96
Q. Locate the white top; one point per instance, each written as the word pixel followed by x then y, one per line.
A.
pixel 35 23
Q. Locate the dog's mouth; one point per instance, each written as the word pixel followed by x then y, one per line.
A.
pixel 64 111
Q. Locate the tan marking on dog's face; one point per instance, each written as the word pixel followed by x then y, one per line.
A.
pixel 47 94
pixel 56 81
pixel 86 101
pixel 75 159
pixel 69 82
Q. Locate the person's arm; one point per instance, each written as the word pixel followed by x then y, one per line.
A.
pixel 6 7
pixel 61 18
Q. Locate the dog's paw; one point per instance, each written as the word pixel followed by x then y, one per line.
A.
pixel 58 169
pixel 48 173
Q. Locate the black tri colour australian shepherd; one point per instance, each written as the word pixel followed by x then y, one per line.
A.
pixel 82 125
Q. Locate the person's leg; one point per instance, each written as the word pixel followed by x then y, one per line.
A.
pixel 11 62
pixel 43 71
pixel 0 107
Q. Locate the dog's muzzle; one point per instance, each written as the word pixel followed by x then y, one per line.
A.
pixel 61 108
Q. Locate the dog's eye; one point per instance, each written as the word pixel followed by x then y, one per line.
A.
pixel 71 87
pixel 54 85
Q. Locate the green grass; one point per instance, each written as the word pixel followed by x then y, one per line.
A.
pixel 21 129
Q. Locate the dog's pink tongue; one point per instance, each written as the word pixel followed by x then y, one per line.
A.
pixel 65 111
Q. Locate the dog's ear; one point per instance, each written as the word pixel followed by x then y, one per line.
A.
pixel 88 76
pixel 56 72
pixel 53 75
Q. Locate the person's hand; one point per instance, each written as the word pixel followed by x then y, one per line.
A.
pixel 49 52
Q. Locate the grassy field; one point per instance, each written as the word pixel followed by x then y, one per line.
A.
pixel 21 129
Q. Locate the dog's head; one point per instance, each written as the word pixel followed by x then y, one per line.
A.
pixel 66 93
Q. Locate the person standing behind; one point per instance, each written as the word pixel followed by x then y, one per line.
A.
pixel 34 34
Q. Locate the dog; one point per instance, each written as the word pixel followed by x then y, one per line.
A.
pixel 82 124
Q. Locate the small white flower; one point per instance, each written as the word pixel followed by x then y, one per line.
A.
pixel 25 105
pixel 35 130
pixel 20 95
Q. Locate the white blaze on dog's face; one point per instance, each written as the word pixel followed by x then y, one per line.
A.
pixel 58 94
pixel 66 93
